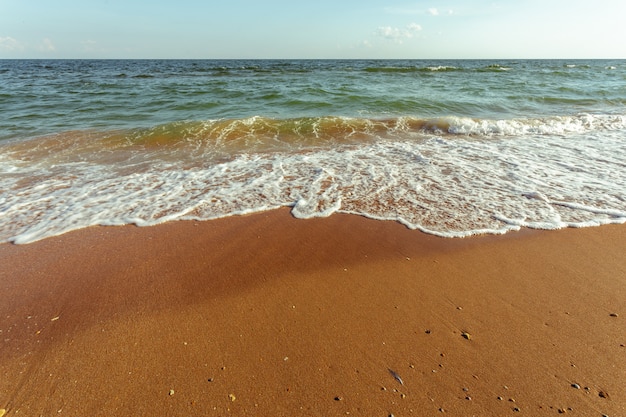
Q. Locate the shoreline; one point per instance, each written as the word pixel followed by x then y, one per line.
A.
pixel 270 315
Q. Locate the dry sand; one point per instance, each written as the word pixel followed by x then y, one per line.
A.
pixel 271 316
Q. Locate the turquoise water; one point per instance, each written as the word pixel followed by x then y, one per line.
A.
pixel 452 148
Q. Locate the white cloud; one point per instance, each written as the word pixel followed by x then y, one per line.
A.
pixel 433 11
pixel 9 44
pixel 414 27
pixel 47 46
pixel 397 34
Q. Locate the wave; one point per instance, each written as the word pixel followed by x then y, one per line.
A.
pixel 437 68
pixel 440 68
pixel 494 68
pixel 223 138
pixel 451 176
pixel 319 131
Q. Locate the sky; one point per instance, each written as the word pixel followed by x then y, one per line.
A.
pixel 315 29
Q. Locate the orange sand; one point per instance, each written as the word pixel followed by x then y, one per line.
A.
pixel 271 316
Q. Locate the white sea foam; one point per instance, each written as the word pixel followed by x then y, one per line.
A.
pixel 488 177
pixel 442 68
pixel 555 125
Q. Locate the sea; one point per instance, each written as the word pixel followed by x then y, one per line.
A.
pixel 453 148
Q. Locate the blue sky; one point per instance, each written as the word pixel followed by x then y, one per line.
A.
pixel 312 29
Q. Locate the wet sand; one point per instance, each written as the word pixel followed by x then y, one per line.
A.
pixel 272 316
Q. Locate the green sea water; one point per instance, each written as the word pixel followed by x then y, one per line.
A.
pixel 453 148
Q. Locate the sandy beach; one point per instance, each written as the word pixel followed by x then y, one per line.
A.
pixel 268 315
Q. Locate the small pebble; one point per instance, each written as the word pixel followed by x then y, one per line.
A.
pixel 468 398
pixel 232 397
pixel 516 409
pixel 500 398
pixel 338 398
pixel 466 336
pixel 576 386
pixel 603 394
pixel 171 392
pixel 613 315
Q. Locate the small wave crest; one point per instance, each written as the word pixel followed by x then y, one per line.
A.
pixel 555 125
pixel 436 68
pixel 413 69
pixel 441 68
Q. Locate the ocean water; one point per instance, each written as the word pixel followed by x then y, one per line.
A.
pixel 452 148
